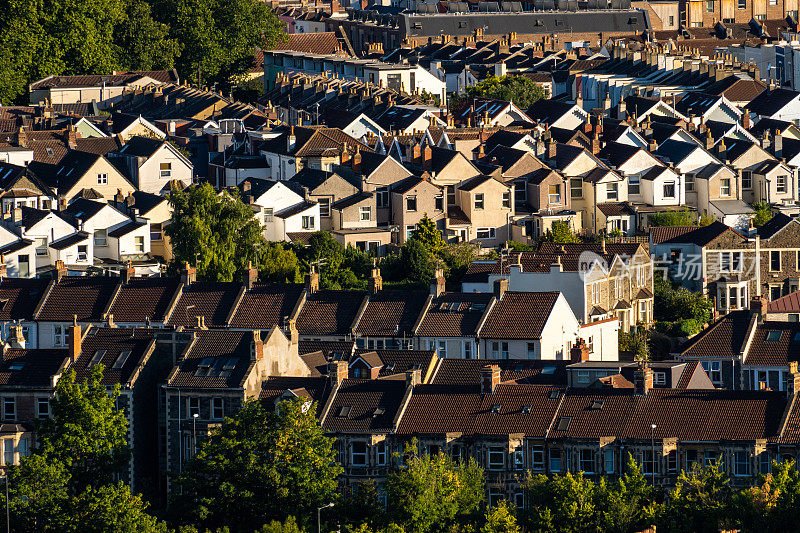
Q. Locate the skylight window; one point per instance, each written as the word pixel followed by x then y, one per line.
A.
pixel 97 357
pixel 563 423
pixel 597 404
pixel 774 336
pixel 122 359
pixel 344 411
pixel 554 394
pixel 16 366
pixel 496 409
pixel 549 369
pixel 526 409
pixel 379 411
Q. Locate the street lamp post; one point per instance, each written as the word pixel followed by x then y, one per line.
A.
pixel 194 433
pixel 319 522
pixel 653 452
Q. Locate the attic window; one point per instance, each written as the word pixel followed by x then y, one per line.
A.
pixel 344 411
pixel 496 409
pixel 462 24
pixel 632 20
pixel 549 369
pixel 16 366
pixel 49 151
pixel 563 423
pixel 3 303
pixel 97 357
pixel 379 411
pixel 390 367
pixel 554 394
pixel 416 366
pixel 477 307
pixel 416 25
pixel 204 367
pixel 122 359
pixel 526 409
pixel 597 404
pixel 774 336
pixel 228 367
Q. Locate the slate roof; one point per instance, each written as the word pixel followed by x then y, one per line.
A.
pixel 454 314
pixel 391 313
pixel 438 409
pixel 70 240
pixel 144 298
pixel 110 80
pixel 211 300
pixel 86 297
pixel 329 312
pixel 398 362
pixel 266 305
pixel 352 200
pixel 519 315
pixel 97 145
pixel 141 146
pixel 215 359
pixel 273 387
pixel 616 209
pixel 107 346
pixel 373 404
pixel 768 103
pixel 473 183
pixel 700 236
pixel 773 225
pixel 29 368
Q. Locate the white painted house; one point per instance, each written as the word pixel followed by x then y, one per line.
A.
pixel 153 165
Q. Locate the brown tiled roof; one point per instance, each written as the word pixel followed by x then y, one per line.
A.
pixel 454 314
pixel 785 304
pixel 438 409
pixel 659 234
pixel 616 381
pixel 534 372
pixel 391 313
pixel 266 305
pixel 105 345
pixel 372 403
pixel 97 145
pixel 324 43
pixel 211 300
pixel 97 80
pixel 519 315
pixel 688 373
pixel 30 368
pixel 774 343
pixel 328 312
pixel 330 348
pixel 694 415
pixel 19 297
pixel 273 387
pixel 317 362
pixel 399 361
pixel 48 151
pixel 216 359
pixel 86 297
pixel 143 298
pixel 723 338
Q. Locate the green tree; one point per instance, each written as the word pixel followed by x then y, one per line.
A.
pixel 561 232
pixel 110 509
pixel 217 230
pixel 339 267
pixel 774 504
pixel 419 263
pixel 432 493
pixel 279 264
pixel 682 217
pixel 257 467
pixel 679 308
pixel 143 43
pixel 288 526
pixel 86 433
pixel 706 219
pixel 561 503
pixel 500 519
pixel 700 501
pixel 359 505
pixel 511 88
pixel 626 504
pixel 219 36
pixel 763 213
pixel 429 235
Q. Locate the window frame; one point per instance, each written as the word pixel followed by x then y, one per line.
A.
pixel 492 454
pixel 102 178
pixel 724 186
pixel 217 404
pixel 360 454
pixel 411 203
pixel 772 255
pixel 365 210
pixel 479 202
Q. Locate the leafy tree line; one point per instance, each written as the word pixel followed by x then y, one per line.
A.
pixel 511 88
pixel 218 233
pixel 62 37
pixel 677 310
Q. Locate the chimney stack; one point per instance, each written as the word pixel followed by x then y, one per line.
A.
pixel 413 377
pixel 758 307
pixel 500 287
pixel 490 378
pixel 258 346
pixel 437 285
pixel 375 280
pixel 312 281
pixel 127 273
pixel 643 380
pixel 75 338
pixel 579 352
pixel 793 380
pixel 294 335
pixel 250 276
pixel 61 271
pixel 188 274
pixel 337 371
pixel 16 338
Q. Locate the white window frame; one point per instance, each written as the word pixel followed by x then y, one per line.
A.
pixel 492 455
pixel 324 207
pixel 725 187
pixel 42 413
pixel 102 179
pixel 193 406
pixel 612 191
pixel 165 173
pixel 480 201
pixel 138 243
pixel 365 213
pixel 488 233
pixel 354 454
pixel 741 468
pixel 9 415
pixel 308 222
pixel 59 335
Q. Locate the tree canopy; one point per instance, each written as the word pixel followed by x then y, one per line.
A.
pixel 682 217
pixel 511 88
pixel 763 213
pixel 63 37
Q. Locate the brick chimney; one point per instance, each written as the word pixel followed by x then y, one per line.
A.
pixel 792 380
pixel 74 339
pixel 127 273
pixel 375 279
pixel 500 287
pixel 293 334
pixel 551 149
pixel 249 275
pixel 758 307
pixel 413 377
pixel 337 371
pixel 490 378
pixel 312 281
pixel 427 156
pixel 643 380
pixel 15 336
pixel 356 161
pixel 3 267
pixel 61 271
pixel 188 274
pixel 437 284
pixel 579 352
pixel 745 119
pixel 258 346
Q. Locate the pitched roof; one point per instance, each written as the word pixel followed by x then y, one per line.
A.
pixel 724 338
pixel 770 102
pixel 141 146
pixel 665 234
pixel 144 298
pixel 266 305
pixel 785 304
pixel 211 300
pixel 329 312
pixel 20 296
pixel 774 225
pixel 532 372
pixel 774 343
pixel 519 315
pixel 364 405
pixel 31 367
pixel 391 313
pixel 215 359
pixel 315 387
pixel 454 314
pixel 85 297
pixel 701 235
pixel 119 350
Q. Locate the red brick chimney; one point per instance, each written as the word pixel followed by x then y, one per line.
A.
pixel 258 345
pixel 490 378
pixel 337 371
pixel 250 275
pixel 427 156
pixel 74 340
pixel 579 352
